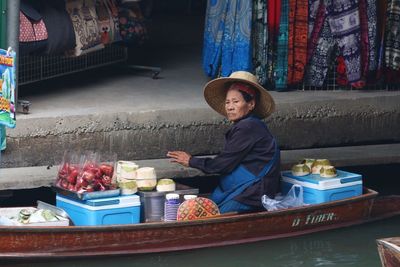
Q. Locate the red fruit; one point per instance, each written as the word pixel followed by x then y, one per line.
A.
pixel 64 183
pixel 107 169
pixel 89 188
pixel 71 187
pixel 88 176
pixel 97 173
pixel 90 165
pixel 62 174
pixel 72 176
pixel 106 180
pixel 73 168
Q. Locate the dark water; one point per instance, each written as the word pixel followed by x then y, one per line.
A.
pixel 352 246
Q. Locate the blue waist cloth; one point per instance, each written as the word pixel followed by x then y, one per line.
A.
pixel 235 183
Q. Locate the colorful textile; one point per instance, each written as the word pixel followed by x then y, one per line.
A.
pixel 197 208
pixel 227 37
pixel 282 48
pixel 260 40
pixel 132 25
pixel 316 18
pixel 274 16
pixel 392 40
pixel 7 88
pixel 342 29
pixel 297 42
pixel 320 60
pixel 362 8
pixel 85 22
pixel 372 35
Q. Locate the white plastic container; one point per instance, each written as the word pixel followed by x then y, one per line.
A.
pixel 146 178
pixel 126 170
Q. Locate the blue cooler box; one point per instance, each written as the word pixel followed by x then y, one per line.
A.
pixel 318 189
pixel 102 211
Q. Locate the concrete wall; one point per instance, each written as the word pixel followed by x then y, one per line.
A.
pixel 149 135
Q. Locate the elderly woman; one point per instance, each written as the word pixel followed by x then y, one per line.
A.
pixel 250 160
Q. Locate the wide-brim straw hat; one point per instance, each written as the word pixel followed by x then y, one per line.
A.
pixel 215 93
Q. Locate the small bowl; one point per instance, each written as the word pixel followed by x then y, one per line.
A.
pixel 317 165
pixel 328 171
pixel 308 162
pixel 300 170
pixel 146 178
pixel 165 185
pixel 128 187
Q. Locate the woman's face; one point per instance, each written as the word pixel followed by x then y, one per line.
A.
pixel 235 105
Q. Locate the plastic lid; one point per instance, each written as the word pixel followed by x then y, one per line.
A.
pixel 172 196
pixel 187 197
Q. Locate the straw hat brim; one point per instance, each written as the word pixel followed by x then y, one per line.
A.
pixel 215 93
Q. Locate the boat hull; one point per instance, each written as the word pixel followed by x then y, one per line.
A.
pixel 389 251
pixel 85 241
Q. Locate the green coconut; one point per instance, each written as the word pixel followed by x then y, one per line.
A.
pixel 328 171
pixel 300 170
pixel 318 163
pixel 128 185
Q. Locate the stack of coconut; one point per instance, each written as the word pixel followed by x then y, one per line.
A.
pixel 131 178
pixel 322 167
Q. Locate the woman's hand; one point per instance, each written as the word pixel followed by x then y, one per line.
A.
pixel 180 157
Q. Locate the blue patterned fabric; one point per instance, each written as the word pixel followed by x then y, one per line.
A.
pixel 282 48
pixel 235 206
pixel 227 37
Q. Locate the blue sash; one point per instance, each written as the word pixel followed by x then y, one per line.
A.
pixel 236 182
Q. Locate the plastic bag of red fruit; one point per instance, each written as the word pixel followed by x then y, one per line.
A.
pixel 87 172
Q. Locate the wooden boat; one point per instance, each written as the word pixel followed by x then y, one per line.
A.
pixel 23 243
pixel 389 251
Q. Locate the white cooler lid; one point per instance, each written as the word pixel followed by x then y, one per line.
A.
pixel 104 203
pixel 315 181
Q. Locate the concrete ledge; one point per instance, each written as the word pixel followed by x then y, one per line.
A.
pixel 303 120
pixel 33 177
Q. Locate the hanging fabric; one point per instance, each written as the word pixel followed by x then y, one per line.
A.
pixel 282 48
pixel 132 24
pixel 274 17
pixel 260 40
pixel 392 49
pixel 341 28
pixel 372 38
pixel 297 40
pixel 84 20
pixel 392 42
pixel 61 35
pixel 32 29
pixel 227 37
